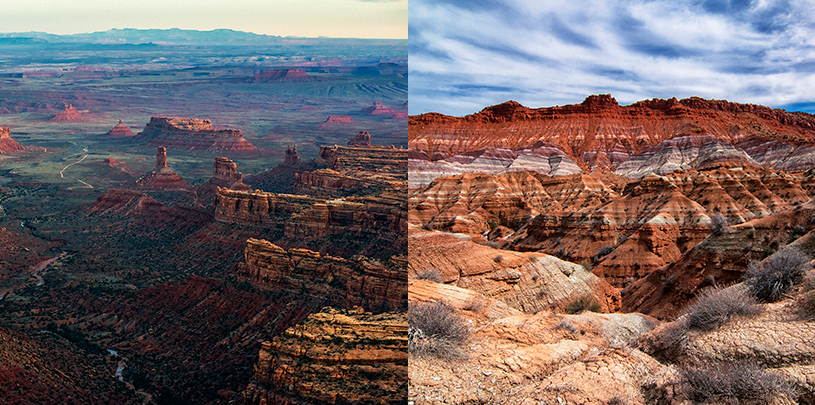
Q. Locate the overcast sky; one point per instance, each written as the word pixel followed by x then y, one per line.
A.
pixel 310 18
pixel 468 54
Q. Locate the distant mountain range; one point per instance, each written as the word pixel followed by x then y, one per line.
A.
pixel 174 36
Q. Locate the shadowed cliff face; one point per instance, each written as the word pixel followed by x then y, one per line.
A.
pixel 601 132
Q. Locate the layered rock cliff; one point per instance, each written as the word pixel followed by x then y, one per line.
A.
pixel 193 134
pixel 334 356
pixel 336 121
pixel 601 132
pixel 358 281
pixel 283 76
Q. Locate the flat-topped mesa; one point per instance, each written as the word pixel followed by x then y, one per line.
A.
pixel 334 356
pixel 292 158
pixel 359 281
pixel 282 76
pixel 335 121
pixel 120 130
pixel 7 144
pixel 193 134
pixel 363 138
pixel 162 177
pixel 341 158
pixel 70 114
pixel 378 108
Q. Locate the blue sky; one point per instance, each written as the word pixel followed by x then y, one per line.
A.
pixel 308 18
pixel 468 54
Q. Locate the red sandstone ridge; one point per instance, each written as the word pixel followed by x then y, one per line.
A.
pixel 282 76
pixel 335 121
pixel 377 108
pixel 70 114
pixel 600 131
pixel 7 144
pixel 120 130
pixel 163 178
pixel 193 134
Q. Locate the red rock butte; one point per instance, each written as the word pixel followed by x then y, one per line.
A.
pixel 335 121
pixel 120 130
pixel 7 144
pixel 600 131
pixel 363 138
pixel 282 76
pixel 163 178
pixel 378 108
pixel 70 114
pixel 193 134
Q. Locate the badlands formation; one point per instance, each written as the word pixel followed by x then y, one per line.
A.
pixel 570 241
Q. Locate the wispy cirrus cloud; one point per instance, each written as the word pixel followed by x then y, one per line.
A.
pixel 465 55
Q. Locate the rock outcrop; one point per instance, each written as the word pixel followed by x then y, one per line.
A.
pixel 528 282
pixel 162 178
pixel 124 203
pixel 7 144
pixel 224 175
pixel 193 134
pixel 283 76
pixel 120 130
pixel 292 159
pixel 357 281
pixel 363 139
pixel 378 108
pixel 334 356
pixel 601 132
pixel 544 357
pixel 70 114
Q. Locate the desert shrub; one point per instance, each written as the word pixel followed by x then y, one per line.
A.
pixel 616 401
pixel 622 239
pixel 718 223
pixel 809 281
pixel 668 284
pixel 797 232
pixel 435 329
pixel 715 306
pixel 475 304
pixel 586 265
pixel 498 259
pixel 582 303
pixel 738 380
pixel 433 275
pixel 770 280
pixel 604 251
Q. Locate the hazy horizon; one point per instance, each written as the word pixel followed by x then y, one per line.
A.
pixel 363 19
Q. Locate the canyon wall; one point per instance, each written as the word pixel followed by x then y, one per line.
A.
pixel 334 356
pixel 358 281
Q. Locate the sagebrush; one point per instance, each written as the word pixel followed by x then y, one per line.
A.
pixel 582 303
pixel 737 380
pixel 715 306
pixel 435 329
pixel 770 280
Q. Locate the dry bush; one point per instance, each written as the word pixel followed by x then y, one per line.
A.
pixel 806 305
pixel 435 329
pixel 715 306
pixel 718 223
pixel 737 380
pixel 475 304
pixel 433 275
pixel 582 303
pixel 770 280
